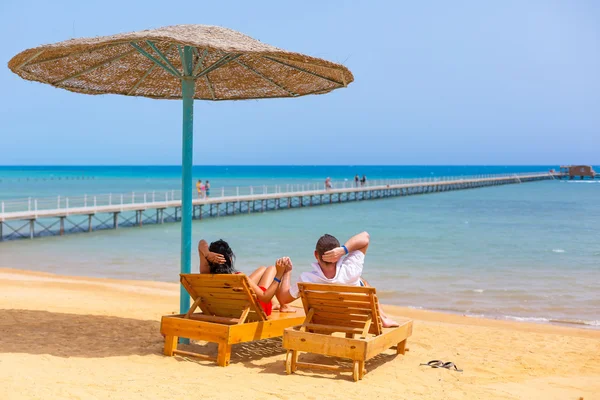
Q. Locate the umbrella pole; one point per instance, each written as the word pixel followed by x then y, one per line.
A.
pixel 187 88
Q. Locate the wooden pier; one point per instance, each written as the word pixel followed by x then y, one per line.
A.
pixel 61 220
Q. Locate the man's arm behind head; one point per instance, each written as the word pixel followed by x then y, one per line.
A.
pixel 359 242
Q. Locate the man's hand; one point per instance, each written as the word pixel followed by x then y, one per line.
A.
pixel 334 255
pixel 288 264
pixel 215 258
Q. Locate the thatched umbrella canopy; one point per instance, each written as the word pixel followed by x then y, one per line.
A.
pixel 180 62
pixel 228 65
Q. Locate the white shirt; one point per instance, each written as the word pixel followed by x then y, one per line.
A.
pixel 348 271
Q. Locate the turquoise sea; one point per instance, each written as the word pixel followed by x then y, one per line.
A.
pixel 524 252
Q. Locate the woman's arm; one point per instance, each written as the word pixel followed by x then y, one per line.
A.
pixel 205 255
pixel 266 296
pixel 284 295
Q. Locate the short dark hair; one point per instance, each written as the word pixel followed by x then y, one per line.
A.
pixel 222 247
pixel 326 243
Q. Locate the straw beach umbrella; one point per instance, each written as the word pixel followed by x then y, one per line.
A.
pixel 180 62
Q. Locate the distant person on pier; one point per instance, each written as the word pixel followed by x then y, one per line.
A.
pixel 218 258
pixel 328 183
pixel 363 181
pixel 202 190
pixel 356 180
pixel 335 264
pixel 199 188
pixel 207 188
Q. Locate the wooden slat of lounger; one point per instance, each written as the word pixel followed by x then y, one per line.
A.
pixel 338 322
pixel 347 322
pixel 207 279
pixel 209 285
pixel 344 314
pixel 231 297
pixel 220 290
pixel 360 298
pixel 319 287
pixel 344 320
pixel 333 328
pixel 317 303
pixel 212 318
pixel 345 310
pixel 230 303
pixel 226 313
pixel 216 307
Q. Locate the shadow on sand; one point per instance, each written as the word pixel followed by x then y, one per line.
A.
pixel 75 335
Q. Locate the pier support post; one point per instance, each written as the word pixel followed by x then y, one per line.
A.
pixel 200 211
pixel 175 214
pixel 1 234
pixel 31 228
pixel 62 226
pixel 89 222
pixel 116 220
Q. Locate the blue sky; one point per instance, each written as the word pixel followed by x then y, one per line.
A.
pixel 436 82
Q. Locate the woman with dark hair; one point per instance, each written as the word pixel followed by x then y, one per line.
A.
pixel 218 258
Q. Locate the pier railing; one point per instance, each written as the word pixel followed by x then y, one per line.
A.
pixel 164 196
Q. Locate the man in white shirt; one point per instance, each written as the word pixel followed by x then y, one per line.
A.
pixel 342 265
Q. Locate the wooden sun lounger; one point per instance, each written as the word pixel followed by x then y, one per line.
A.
pixel 230 314
pixel 351 310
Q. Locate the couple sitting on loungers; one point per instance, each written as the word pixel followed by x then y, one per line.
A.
pixel 335 264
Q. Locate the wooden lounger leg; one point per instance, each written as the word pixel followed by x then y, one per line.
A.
pixel 291 358
pixel 294 360
pixel 170 345
pixel 401 347
pixel 361 369
pixel 224 354
pixel 356 371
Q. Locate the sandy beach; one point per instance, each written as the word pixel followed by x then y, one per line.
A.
pixel 83 338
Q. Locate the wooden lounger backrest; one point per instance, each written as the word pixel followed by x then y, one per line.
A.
pixel 341 306
pixel 227 296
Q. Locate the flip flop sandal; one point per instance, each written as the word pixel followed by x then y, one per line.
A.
pixel 434 364
pixel 451 365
